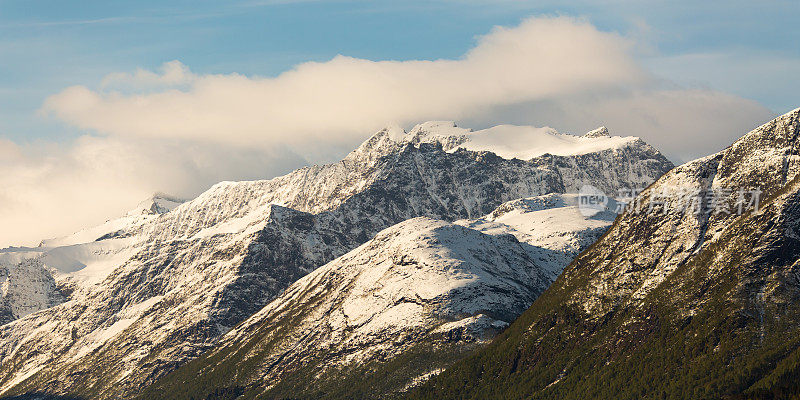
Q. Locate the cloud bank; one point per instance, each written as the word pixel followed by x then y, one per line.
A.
pixel 345 97
pixel 47 190
pixel 178 131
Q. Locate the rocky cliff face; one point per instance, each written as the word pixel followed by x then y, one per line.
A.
pixel 25 287
pixel 396 309
pixel 672 302
pixel 420 283
pixel 168 288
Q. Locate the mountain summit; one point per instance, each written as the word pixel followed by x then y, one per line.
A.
pixel 158 203
pixel 507 141
pixel 599 132
pixel 673 302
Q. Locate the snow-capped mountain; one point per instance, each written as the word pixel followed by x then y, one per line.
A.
pixel 553 222
pixel 510 141
pixel 144 212
pixel 421 289
pixel 672 302
pixel 608 162
pixel 41 277
pixel 181 279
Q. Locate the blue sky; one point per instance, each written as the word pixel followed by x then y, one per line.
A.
pixel 745 48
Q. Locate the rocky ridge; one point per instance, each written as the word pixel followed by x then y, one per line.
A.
pixel 173 285
pixel 671 302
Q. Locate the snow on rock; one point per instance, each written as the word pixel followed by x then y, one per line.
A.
pixel 767 158
pixel 511 141
pixel 525 142
pixel 25 287
pixel 144 212
pixel 723 280
pixel 44 276
pixel 216 260
pixel 552 224
pixel 599 132
pixel 597 157
pixel 159 203
pixel 420 282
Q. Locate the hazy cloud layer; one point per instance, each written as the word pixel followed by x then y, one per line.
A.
pixel 177 131
pixel 346 97
pixel 562 65
pixel 682 123
pixel 48 190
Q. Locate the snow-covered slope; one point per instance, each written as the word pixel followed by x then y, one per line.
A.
pixel 610 163
pixel 423 287
pixel 41 277
pixel 553 222
pixel 144 212
pixel 673 302
pixel 511 141
pixel 187 276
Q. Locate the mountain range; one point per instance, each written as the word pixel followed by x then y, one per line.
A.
pixel 436 263
pixel 669 304
pixel 466 238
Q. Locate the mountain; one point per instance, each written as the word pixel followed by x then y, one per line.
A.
pixel 182 279
pixel 598 158
pixel 25 287
pixel 36 278
pixel 671 303
pixel 146 210
pixel 402 306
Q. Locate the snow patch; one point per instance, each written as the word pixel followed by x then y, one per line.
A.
pixel 511 141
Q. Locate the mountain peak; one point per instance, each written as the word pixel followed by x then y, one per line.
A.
pixel 383 141
pixel 158 203
pixel 765 157
pixel 506 141
pixel 392 131
pixel 157 289
pixel 434 126
pixel 721 279
pixel 444 132
pixel 785 122
pixel 599 132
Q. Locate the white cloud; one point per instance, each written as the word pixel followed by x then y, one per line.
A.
pixel 562 65
pixel 48 190
pixel 178 132
pixel 346 97
pixel 172 73
pixel 684 124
